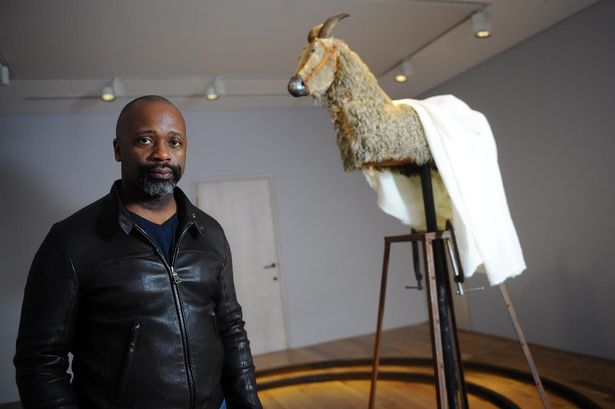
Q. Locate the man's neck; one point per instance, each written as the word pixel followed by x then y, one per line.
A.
pixel 155 209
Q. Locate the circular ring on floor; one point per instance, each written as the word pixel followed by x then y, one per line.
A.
pixel 572 396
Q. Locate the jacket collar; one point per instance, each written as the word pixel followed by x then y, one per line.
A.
pixel 186 211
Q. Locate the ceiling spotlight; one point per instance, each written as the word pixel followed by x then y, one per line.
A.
pixel 215 90
pixel 112 90
pixel 107 94
pixel 481 25
pixel 211 94
pixel 403 72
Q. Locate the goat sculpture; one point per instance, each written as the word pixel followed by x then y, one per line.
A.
pixel 371 128
pixel 383 136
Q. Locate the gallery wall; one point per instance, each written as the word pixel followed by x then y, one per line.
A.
pixel 551 104
pixel 329 226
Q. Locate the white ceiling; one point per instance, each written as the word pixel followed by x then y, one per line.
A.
pixel 62 52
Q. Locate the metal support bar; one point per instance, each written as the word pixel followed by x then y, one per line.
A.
pixel 456 393
pixel 383 289
pixel 453 253
pixel 417 264
pixel 524 346
pixel 436 329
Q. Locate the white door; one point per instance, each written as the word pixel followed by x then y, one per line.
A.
pixel 244 209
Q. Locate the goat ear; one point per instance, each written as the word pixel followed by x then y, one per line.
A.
pixel 329 24
pixel 313 33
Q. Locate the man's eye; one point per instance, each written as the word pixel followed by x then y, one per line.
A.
pixel 144 141
pixel 175 143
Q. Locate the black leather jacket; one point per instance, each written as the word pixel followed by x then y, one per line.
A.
pixel 143 334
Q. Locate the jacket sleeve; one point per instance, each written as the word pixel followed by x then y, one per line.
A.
pixel 238 379
pixel 46 328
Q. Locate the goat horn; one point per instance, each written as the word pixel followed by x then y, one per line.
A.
pixel 329 24
pixel 313 34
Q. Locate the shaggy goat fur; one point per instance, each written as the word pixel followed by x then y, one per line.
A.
pixel 370 127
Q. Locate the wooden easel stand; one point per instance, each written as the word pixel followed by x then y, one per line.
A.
pixel 450 386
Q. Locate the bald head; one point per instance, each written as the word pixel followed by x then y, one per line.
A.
pixel 125 115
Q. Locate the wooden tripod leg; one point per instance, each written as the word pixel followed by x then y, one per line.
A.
pixel 383 290
pixel 524 346
pixel 434 316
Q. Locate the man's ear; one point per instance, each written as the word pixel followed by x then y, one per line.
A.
pixel 116 150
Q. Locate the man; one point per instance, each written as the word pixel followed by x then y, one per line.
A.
pixel 138 286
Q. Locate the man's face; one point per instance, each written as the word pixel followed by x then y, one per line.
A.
pixel 152 148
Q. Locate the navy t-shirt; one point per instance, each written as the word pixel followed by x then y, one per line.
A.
pixel 162 234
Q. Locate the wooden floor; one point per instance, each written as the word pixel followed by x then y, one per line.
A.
pixel 593 377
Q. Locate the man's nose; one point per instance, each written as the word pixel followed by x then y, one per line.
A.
pixel 161 152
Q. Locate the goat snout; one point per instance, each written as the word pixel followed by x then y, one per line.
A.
pixel 296 87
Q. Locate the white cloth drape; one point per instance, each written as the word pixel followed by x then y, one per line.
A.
pixel 468 188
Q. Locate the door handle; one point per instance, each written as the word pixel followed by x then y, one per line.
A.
pixel 272 265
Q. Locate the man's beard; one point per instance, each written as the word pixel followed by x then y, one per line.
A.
pixel 155 187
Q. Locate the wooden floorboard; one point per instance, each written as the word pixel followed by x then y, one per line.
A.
pixel 593 377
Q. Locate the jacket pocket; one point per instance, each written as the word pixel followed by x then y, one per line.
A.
pixel 214 324
pixel 133 339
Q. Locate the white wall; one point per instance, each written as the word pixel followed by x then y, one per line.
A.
pixel 331 231
pixel 551 104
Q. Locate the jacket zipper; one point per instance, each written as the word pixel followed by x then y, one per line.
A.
pixel 175 279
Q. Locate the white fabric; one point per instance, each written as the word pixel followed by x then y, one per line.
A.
pixel 468 188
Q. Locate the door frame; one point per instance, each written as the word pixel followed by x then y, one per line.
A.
pixel 276 231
